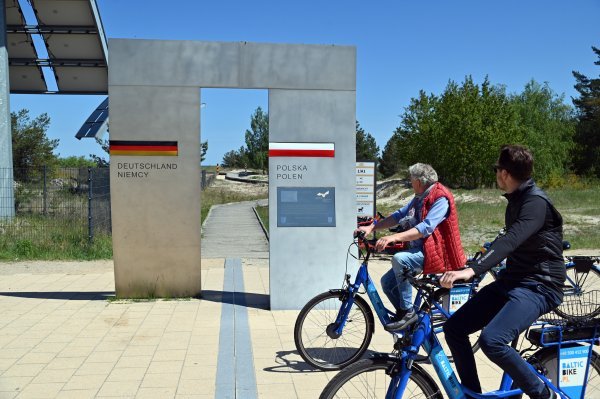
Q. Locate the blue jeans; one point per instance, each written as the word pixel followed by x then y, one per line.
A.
pixel 395 286
pixel 505 309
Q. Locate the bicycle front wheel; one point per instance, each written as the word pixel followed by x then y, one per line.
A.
pixel 369 378
pixel 317 343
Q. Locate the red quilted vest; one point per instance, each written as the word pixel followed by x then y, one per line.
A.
pixel 443 249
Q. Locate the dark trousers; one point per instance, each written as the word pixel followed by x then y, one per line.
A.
pixel 503 310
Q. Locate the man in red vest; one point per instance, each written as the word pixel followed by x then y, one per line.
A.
pixel 429 222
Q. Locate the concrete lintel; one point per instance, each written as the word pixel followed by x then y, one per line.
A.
pixel 232 65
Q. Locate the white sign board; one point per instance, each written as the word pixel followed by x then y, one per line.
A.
pixel 365 189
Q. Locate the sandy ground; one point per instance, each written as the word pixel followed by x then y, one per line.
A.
pixel 239 187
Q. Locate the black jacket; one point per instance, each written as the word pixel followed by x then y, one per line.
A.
pixel 532 243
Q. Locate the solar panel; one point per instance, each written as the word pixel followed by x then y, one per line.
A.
pixel 63 12
pixel 20 45
pixel 74 38
pixel 26 78
pixel 14 16
pixel 96 123
pixel 24 74
pixel 74 46
pixel 84 79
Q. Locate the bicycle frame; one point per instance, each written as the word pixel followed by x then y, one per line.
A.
pixel 384 314
pixel 425 336
pixel 362 279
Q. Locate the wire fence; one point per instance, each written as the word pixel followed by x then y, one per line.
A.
pixel 207 179
pixel 48 202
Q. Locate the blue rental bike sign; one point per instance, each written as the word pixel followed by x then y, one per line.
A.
pixel 572 370
pixel 458 297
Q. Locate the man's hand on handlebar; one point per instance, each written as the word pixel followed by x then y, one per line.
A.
pixel 384 242
pixel 365 229
pixel 448 279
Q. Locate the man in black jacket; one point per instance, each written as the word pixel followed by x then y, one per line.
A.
pixel 529 287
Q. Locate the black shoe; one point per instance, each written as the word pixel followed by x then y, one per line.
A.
pixel 409 318
pixel 398 316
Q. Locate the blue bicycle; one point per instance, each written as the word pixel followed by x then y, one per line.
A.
pixel 334 329
pixel 563 358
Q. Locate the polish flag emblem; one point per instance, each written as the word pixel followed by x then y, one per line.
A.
pixel 318 150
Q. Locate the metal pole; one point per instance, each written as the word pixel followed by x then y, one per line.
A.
pixel 90 220
pixel 7 198
pixel 45 193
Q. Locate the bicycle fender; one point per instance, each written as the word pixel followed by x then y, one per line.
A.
pixel 417 369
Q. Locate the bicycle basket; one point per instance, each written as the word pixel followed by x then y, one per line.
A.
pixel 576 309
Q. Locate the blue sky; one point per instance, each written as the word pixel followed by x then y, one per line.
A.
pixel 402 47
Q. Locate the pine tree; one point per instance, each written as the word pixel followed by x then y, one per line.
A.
pixel 586 154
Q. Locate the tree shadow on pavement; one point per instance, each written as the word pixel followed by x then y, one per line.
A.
pixel 249 300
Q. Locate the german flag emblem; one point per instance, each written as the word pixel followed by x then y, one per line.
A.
pixel 143 148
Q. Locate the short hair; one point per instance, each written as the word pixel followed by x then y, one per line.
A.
pixel 423 173
pixel 517 160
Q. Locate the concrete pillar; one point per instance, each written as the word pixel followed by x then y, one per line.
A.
pixel 155 199
pixel 7 203
pixel 306 261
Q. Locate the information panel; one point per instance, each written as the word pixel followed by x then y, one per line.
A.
pixel 305 206
pixel 365 189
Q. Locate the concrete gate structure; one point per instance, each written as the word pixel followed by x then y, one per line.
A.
pixel 154 92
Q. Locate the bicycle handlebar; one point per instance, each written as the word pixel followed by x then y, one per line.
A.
pixel 433 280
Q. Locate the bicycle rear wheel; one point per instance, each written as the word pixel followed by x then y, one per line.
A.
pixel 317 344
pixel 369 378
pixel 577 289
pixel 548 358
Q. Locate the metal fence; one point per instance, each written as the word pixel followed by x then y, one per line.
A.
pixel 52 202
pixel 207 179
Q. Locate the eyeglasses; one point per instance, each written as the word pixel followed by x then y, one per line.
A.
pixel 496 168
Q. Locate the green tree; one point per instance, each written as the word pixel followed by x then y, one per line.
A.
pixel 235 159
pixel 100 161
pixel 586 154
pixel 548 126
pixel 366 147
pixel 391 161
pixel 459 132
pixel 203 149
pixel 30 146
pixel 257 140
pixel 76 162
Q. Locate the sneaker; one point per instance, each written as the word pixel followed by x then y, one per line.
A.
pixel 398 316
pixel 409 318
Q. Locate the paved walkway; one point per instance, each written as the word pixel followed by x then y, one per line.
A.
pixel 232 231
pixel 62 335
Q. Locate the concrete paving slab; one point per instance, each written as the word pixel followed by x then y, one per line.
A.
pixel 151 349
